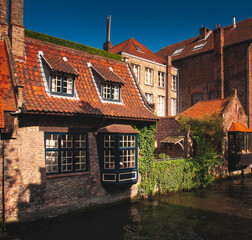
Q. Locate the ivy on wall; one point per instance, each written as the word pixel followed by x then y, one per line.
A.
pixel 182 174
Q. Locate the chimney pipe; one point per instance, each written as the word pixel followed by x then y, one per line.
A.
pixel 108 28
pixel 234 22
pixel 107 46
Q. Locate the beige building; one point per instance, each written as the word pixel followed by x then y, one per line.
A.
pixel 158 80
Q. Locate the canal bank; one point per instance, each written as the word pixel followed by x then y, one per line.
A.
pixel 222 210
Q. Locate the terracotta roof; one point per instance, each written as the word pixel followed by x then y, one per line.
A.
pixel 238 127
pixel 107 74
pixel 205 108
pixel 37 100
pixel 118 128
pixel 59 63
pixel 132 47
pixel 7 98
pixel 242 32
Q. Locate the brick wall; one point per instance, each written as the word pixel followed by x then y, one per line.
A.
pixel 30 194
pixel 3 19
pixel 153 89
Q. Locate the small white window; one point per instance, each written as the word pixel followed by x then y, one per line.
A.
pixel 178 51
pixel 138 48
pixel 149 98
pixel 161 79
pixel 199 46
pixel 136 69
pixel 148 76
pixel 173 83
pixel 161 106
pixel 173 107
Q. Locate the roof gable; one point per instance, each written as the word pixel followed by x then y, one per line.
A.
pixel 37 100
pixel 238 127
pixel 133 47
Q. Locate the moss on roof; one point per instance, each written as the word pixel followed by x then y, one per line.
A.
pixel 70 44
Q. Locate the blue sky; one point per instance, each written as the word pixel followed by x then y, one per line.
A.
pixel 155 24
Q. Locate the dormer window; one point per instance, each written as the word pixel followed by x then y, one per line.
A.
pixel 62 84
pixel 177 52
pixel 111 91
pixel 59 75
pixel 107 82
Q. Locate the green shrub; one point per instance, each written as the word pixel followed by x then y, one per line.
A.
pixel 70 44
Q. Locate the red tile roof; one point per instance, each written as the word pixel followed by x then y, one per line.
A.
pixel 57 63
pixel 118 128
pixel 238 127
pixel 37 100
pixel 205 108
pixel 129 46
pixel 107 74
pixel 7 97
pixel 242 32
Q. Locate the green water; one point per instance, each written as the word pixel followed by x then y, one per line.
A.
pixel 221 211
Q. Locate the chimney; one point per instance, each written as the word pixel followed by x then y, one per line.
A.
pixel 16 28
pixel 107 46
pixel 234 92
pixel 218 61
pixel 3 19
pixel 203 32
pixel 234 22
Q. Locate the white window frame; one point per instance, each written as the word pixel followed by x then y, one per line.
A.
pixel 178 51
pixel 161 79
pixel 149 76
pixel 173 82
pixel 136 69
pixel 161 106
pixel 149 98
pixel 173 106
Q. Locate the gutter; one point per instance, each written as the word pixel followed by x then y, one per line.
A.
pixel 3 194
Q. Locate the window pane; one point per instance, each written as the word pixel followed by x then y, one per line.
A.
pixel 52 140
pixel 67 141
pixel 161 106
pixel 80 141
pixel 109 141
pixel 173 82
pixel 67 85
pixel 127 141
pixel 56 83
pixel 127 159
pixel 51 162
pixel 80 160
pixel 109 159
pixel 115 92
pixel 66 161
pixel 106 91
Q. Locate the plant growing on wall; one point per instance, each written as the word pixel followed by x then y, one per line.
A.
pixel 207 134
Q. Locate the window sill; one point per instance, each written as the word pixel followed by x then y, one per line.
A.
pixel 151 85
pixel 161 87
pixel 67 175
pixel 174 90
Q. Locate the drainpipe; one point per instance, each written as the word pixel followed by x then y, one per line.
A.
pixel 178 99
pixel 249 76
pixel 3 199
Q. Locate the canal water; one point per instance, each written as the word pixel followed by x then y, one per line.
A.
pixel 220 211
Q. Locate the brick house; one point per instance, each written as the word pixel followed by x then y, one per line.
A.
pixel 157 78
pixel 66 117
pixel 174 142
pixel 213 63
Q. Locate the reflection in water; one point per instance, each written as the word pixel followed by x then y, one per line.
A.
pixel 221 211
